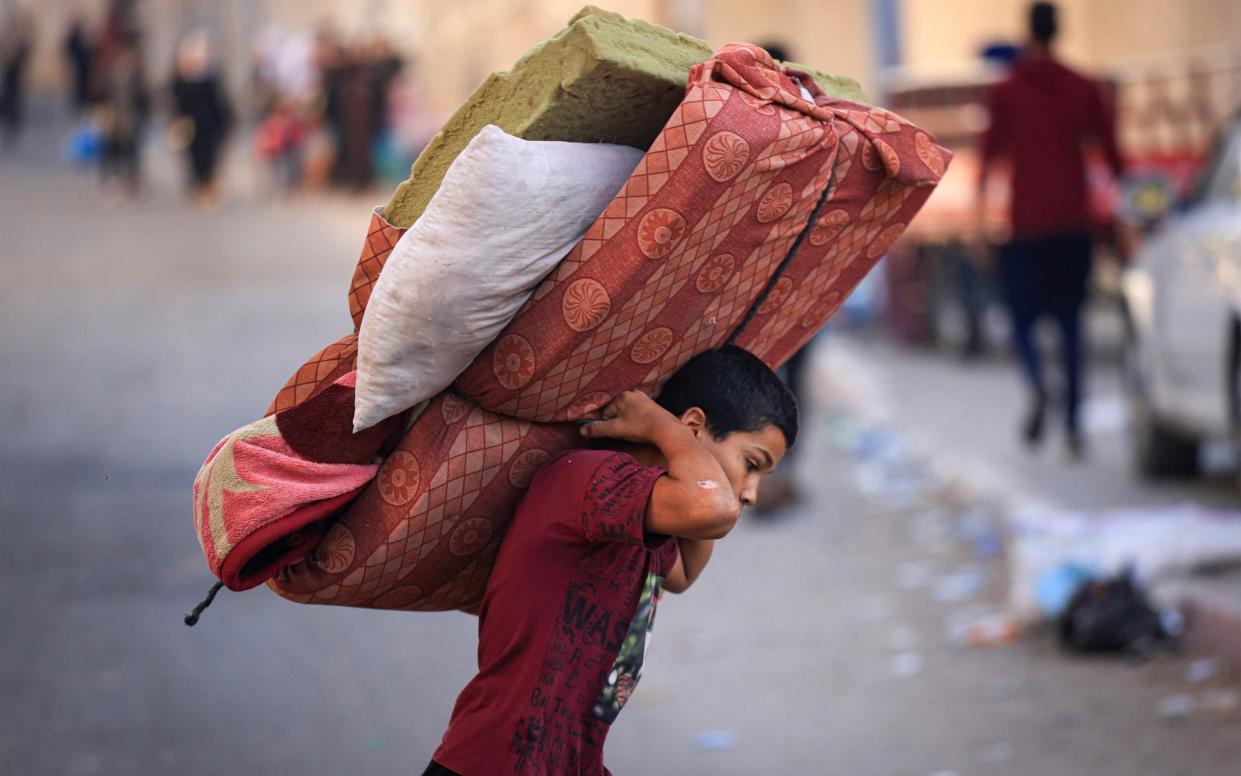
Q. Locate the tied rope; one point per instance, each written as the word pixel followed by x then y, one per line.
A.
pixel 191 619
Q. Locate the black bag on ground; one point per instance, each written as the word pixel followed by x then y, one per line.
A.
pixel 1111 615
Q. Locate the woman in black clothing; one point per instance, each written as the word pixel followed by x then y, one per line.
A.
pixel 203 117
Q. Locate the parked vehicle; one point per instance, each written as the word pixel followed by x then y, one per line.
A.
pixel 1182 294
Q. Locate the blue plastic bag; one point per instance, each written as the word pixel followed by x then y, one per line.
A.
pixel 85 144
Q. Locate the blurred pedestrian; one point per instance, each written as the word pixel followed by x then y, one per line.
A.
pixel 202 114
pixel 122 113
pixel 383 66
pixel 331 58
pixel 356 122
pixel 1042 116
pixel 278 143
pixel 16 40
pixel 79 50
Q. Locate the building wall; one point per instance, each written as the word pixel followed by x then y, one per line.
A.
pixel 831 36
pixel 1094 33
pixel 454 44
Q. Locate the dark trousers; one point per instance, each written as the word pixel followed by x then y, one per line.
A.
pixel 120 157
pixel 1048 276
pixel 435 769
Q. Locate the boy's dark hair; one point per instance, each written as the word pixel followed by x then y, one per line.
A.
pixel 735 390
pixel 1043 26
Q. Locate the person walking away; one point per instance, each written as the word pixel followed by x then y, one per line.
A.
pixel 79 54
pixel 1042 116
pixel 122 114
pixel 16 36
pixel 202 112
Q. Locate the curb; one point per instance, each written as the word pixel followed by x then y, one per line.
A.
pixel 1212 621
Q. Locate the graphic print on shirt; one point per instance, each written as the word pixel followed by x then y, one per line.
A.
pixel 627 669
pixel 615 580
pixel 593 623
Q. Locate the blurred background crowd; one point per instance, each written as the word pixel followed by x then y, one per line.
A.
pixel 184 188
pixel 314 107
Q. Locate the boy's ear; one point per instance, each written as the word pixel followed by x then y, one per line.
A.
pixel 696 419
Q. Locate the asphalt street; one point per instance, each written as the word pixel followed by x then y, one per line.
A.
pixel 137 334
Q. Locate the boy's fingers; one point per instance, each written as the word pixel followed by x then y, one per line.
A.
pixel 598 428
pixel 587 429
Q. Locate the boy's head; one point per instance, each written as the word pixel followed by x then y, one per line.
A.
pixel 741 411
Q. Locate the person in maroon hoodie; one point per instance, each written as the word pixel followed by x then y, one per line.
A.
pixel 1042 116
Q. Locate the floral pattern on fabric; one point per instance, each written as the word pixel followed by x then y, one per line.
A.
pixel 659 232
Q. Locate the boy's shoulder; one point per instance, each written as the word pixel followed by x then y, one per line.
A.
pixel 577 462
pixel 576 470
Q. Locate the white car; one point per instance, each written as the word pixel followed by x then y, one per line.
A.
pixel 1183 298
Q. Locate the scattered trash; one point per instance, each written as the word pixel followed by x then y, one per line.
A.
pixel 714 740
pixel 1155 541
pixel 1056 586
pixel 958 622
pixel 1181 705
pixel 980 626
pixel 1173 622
pixel 886 469
pixel 1201 670
pixel 1111 615
pixel 966 582
pixel 977 528
pixel 1176 706
pixel 906 664
pixel 1223 701
pixel 996 630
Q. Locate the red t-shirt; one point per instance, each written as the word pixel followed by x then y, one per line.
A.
pixel 564 622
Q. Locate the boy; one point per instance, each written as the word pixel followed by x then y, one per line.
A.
pixel 569 606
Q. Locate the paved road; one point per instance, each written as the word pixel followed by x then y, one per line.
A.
pixel 135 336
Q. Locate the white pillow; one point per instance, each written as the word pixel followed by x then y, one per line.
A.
pixel 506 213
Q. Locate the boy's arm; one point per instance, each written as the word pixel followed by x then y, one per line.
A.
pixel 691 560
pixel 694 500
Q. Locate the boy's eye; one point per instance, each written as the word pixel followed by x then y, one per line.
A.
pixel 750 465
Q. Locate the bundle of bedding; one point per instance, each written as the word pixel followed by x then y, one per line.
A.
pixel 539 279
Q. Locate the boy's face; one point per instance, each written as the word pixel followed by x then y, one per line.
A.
pixel 746 457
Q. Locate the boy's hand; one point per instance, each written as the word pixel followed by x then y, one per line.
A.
pixel 694 500
pixel 634 417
